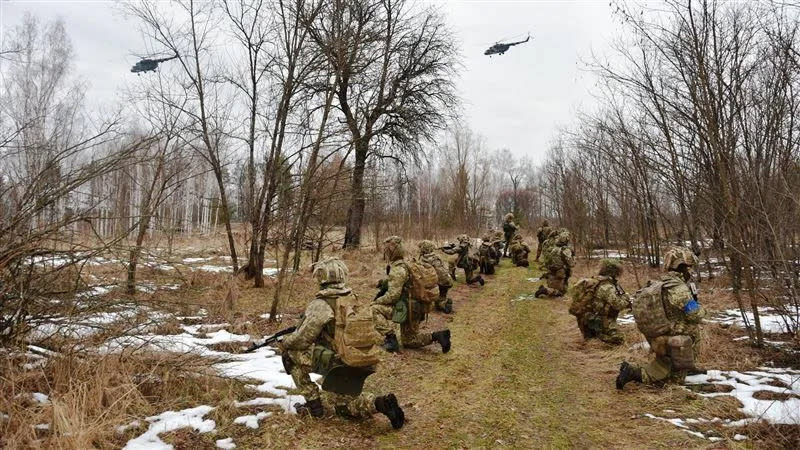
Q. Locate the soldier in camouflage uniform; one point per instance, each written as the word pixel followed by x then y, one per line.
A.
pixel 509 229
pixel 488 255
pixel 427 254
pixel 395 305
pixel 679 297
pixel 497 241
pixel 597 317
pixel 541 235
pixel 466 260
pixel 301 352
pixel 558 260
pixel 519 251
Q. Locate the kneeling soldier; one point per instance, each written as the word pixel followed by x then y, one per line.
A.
pixel 311 349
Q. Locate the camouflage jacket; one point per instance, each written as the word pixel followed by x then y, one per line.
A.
pixel 681 307
pixel 557 257
pixel 488 252
pixel 398 280
pixel 466 256
pixel 542 233
pixel 519 249
pixel 608 300
pixel 318 323
pixel 509 228
pixel 441 271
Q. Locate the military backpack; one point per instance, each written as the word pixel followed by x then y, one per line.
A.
pixel 582 294
pixel 424 282
pixel 355 338
pixel 649 310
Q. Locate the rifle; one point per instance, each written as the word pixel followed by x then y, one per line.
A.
pixel 259 343
pixel 383 287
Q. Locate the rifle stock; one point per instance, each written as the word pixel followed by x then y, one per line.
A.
pixel 269 340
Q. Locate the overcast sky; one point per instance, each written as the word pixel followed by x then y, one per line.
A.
pixel 517 100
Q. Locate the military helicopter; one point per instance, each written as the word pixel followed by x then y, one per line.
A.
pixel 499 48
pixel 149 65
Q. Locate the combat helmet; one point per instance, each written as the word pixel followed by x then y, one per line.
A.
pixel 393 248
pixel 426 247
pixel 610 267
pixel 509 217
pixel 676 256
pixel 329 271
pixel 463 239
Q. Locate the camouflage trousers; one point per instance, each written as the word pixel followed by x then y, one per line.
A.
pixel 357 406
pixel 660 369
pixel 411 337
pixel 469 273
pixel 556 283
pixel 520 259
pixel 538 251
pixel 382 317
pixel 442 300
pixel 592 327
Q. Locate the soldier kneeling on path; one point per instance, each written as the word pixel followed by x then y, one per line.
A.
pixel 489 257
pixel 427 254
pixel 402 303
pixel 332 340
pixel 467 260
pixel 597 301
pixel 667 312
pixel 519 251
pixel 559 260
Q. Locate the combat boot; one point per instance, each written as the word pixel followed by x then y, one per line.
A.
pixel 390 343
pixel 448 306
pixel 443 338
pixel 388 406
pixel 628 373
pixel 541 291
pixel 313 408
pixel 481 280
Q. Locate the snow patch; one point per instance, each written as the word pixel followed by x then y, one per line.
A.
pixel 41 398
pixel 226 443
pixel 746 384
pixel 771 321
pixel 251 421
pixel 170 421
pixel 626 319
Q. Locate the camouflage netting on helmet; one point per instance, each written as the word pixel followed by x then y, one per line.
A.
pixel 426 247
pixel 610 267
pixel 509 217
pixel 393 248
pixel 676 256
pixel 330 270
pixel 517 237
pixel 462 238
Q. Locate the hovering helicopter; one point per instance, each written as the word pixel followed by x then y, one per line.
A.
pixel 149 65
pixel 500 48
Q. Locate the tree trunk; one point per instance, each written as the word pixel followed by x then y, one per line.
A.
pixel 355 213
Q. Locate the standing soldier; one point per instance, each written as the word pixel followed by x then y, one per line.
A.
pixel 311 348
pixel 395 305
pixel 597 301
pixel 541 235
pixel 509 228
pixel 466 260
pixel 667 312
pixel 488 255
pixel 558 260
pixel 519 251
pixel 427 254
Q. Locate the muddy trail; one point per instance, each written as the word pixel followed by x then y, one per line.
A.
pixel 518 375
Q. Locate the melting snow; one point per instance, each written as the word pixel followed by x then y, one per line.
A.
pixel 41 398
pixel 252 420
pixel 771 321
pixel 626 319
pixel 746 384
pixel 226 443
pixel 169 421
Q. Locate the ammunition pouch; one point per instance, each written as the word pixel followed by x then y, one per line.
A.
pixel 288 364
pixel 400 313
pixel 681 352
pixel 323 359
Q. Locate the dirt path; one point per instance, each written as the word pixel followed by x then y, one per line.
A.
pixel 519 375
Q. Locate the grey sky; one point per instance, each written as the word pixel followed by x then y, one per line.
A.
pixel 517 100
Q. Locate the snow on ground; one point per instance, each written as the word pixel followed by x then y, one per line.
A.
pixel 746 385
pixel 534 279
pixel 608 254
pixel 169 421
pixel 626 319
pixel 683 424
pixel 251 421
pixel 771 321
pixel 226 443
pixel 41 398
